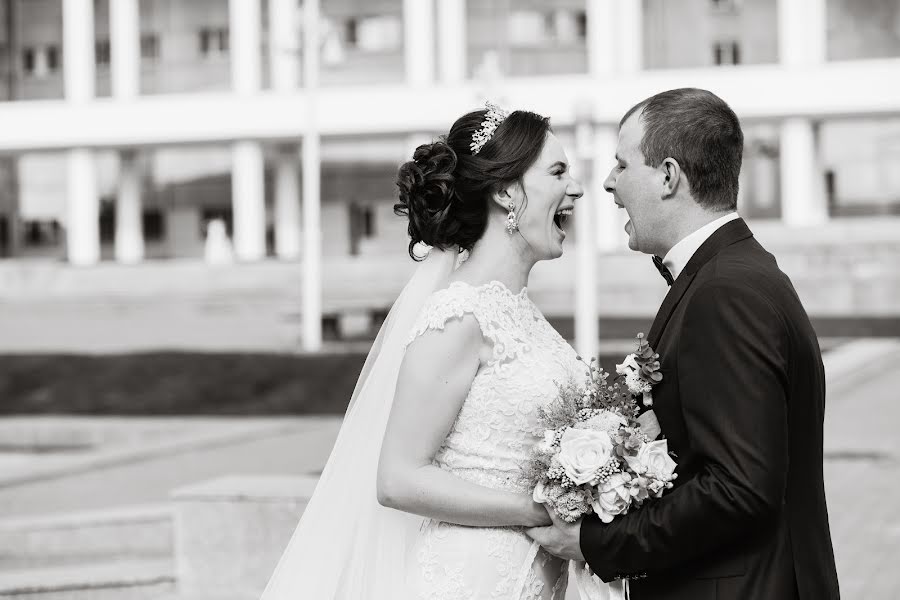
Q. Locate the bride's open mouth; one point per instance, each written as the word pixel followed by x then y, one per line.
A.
pixel 561 217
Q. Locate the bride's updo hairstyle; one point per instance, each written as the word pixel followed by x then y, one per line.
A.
pixel 445 190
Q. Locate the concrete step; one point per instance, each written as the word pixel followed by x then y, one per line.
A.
pixel 133 532
pixel 231 531
pixel 113 580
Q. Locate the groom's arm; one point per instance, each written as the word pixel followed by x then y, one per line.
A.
pixel 732 382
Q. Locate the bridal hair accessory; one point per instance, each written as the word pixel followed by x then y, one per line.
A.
pixel 492 119
pixel 512 223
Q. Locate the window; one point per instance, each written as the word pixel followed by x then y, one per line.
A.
pixel 101 53
pixel 213 41
pixel 222 36
pixel 726 53
pixel 149 47
pixel 41 233
pixel 28 61
pixel 204 41
pixel 368 222
pixel 581 24
pixel 362 225
pixel 107 222
pixel 52 58
pixel 725 5
pixel 351 32
pixel 154 225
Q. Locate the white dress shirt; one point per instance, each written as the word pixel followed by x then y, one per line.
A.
pixel 677 258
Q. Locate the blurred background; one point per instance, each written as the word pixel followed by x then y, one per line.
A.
pixel 198 245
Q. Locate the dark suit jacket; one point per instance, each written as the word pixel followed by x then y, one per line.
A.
pixel 741 403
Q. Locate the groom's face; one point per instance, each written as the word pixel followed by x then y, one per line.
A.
pixel 636 188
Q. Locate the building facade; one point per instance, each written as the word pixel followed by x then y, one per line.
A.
pixel 131 125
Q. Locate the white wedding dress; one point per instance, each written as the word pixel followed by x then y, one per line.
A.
pixel 349 547
pixel 489 444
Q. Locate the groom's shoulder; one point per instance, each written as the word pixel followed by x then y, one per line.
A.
pixel 742 263
pixel 745 269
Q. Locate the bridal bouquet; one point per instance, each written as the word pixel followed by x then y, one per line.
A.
pixel 598 454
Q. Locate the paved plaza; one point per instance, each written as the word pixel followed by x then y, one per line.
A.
pixel 862 469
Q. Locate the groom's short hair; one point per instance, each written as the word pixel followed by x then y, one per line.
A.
pixel 700 131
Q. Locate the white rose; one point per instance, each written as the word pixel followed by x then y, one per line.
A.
pixel 582 452
pixel 613 497
pixel 654 460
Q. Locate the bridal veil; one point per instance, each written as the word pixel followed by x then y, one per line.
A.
pixel 347 546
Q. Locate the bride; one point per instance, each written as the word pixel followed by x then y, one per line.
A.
pixel 423 495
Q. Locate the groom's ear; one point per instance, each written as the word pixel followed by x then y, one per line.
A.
pixel 671 171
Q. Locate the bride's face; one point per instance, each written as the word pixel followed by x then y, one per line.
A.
pixel 545 201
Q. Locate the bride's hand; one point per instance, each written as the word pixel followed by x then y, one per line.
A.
pixel 537 515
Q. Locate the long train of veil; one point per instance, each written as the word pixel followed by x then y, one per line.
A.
pixel 347 546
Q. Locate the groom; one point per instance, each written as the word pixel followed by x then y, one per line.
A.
pixel 742 398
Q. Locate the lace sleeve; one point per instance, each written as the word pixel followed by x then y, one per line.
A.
pixel 493 308
pixel 450 303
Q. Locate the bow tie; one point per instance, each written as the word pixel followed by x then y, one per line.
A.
pixel 663 270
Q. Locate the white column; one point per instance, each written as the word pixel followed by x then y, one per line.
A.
pixel 418 41
pixel 601 39
pixel 803 201
pixel 284 54
pixel 610 220
pixel 125 57
pixel 83 209
pixel 312 192
pixel 312 243
pixel 248 201
pixel 247 180
pixel 311 58
pixel 801 32
pixel 629 31
pixel 129 240
pixel 615 37
pixel 287 205
pixel 125 48
pixel 83 205
pixel 284 57
pixel 801 43
pixel 587 332
pixel 78 50
pixel 452 45
pixel 244 22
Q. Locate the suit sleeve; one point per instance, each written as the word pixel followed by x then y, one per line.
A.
pixel 731 375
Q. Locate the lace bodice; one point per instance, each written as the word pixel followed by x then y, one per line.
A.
pixel 497 426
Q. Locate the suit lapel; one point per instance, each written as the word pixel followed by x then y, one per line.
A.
pixel 669 303
pixel 726 235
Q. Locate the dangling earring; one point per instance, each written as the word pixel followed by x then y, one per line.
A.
pixel 512 223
